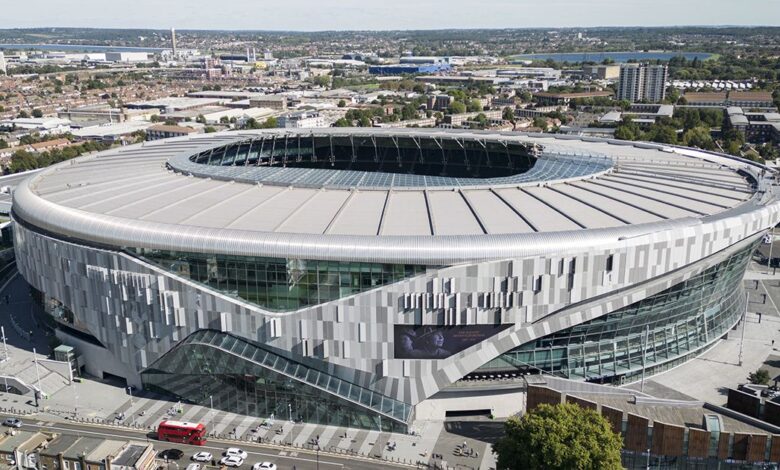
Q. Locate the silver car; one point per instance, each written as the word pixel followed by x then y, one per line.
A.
pixel 13 422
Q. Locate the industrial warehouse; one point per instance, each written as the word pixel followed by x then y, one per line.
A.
pixel 346 276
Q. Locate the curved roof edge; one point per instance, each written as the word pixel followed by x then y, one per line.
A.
pixel 101 229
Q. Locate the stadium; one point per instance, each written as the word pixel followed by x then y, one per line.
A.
pixel 345 276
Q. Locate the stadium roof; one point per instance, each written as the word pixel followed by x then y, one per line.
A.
pixel 137 197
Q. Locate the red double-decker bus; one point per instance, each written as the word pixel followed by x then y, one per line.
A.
pixel 182 431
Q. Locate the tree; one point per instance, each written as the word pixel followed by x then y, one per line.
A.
pixel 628 130
pixel 540 122
pixel 37 113
pixel 558 437
pixel 663 134
pixel 759 377
pixel 270 123
pixel 698 137
pixel 22 160
pixel 209 129
pixel 342 103
pixel 457 107
pixel 23 114
pixel 474 106
pixel 508 114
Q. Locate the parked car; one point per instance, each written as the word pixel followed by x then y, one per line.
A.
pixel 194 466
pixel 232 461
pixel 202 457
pixel 264 466
pixel 13 422
pixel 236 452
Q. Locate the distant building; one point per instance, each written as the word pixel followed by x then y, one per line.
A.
pixel 641 82
pixel 111 133
pixel 43 126
pixel 602 72
pixel 127 56
pixel 758 128
pixel 539 73
pixel 3 66
pixel 706 99
pixel 401 69
pixel 165 131
pixel 741 99
pixel 460 119
pixel 269 101
pixel 751 99
pixel 642 114
pixel 48 145
pixel 423 122
pixel 420 60
pixel 439 102
pixel 301 119
pixel 94 114
pixel 565 99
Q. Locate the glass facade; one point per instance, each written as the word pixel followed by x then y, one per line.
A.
pixel 242 377
pixel 655 333
pixel 279 284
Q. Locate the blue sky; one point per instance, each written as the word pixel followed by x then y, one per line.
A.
pixel 388 14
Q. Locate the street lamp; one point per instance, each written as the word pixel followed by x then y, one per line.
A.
pixel 289 409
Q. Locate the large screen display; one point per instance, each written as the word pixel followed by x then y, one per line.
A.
pixel 438 342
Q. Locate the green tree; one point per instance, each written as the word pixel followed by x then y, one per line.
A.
pixel 22 160
pixel 37 113
pixel 341 122
pixel 474 106
pixel 457 107
pixel 342 104
pixel 209 129
pixel 559 437
pixel 270 123
pixel 540 122
pixel 759 377
pixel 698 137
pixel 628 130
pixel 662 133
pixel 508 114
pixel 23 114
pixel 3 144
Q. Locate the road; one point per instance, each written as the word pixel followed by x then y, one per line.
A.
pixel 284 458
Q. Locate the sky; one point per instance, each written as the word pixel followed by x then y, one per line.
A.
pixel 317 15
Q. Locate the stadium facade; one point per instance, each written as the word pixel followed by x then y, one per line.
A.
pixel 343 276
